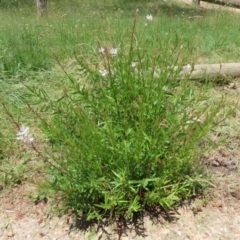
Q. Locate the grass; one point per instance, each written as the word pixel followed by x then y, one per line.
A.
pixel 67 30
pixel 34 52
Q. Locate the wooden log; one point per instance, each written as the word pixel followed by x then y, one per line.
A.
pixel 196 2
pixel 203 71
pixel 232 3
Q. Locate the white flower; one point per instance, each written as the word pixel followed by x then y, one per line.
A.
pixel 187 67
pixel 23 131
pixel 101 50
pixel 113 51
pixel 194 120
pixel 103 72
pixel 149 17
pixel 24 135
pixel 133 64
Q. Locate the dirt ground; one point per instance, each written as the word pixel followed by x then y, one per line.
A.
pixel 218 219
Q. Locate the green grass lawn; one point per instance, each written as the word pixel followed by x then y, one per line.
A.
pixel 27 42
pixel 37 51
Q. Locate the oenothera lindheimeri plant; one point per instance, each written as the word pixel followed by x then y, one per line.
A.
pixel 128 134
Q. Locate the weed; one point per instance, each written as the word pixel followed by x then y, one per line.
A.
pixel 125 137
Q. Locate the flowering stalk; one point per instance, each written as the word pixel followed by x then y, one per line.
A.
pixel 23 132
pixel 11 116
pixel 38 116
pixel 133 36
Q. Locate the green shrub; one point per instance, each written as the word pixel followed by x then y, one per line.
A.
pixel 127 137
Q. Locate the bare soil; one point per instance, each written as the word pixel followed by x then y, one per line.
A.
pixel 217 217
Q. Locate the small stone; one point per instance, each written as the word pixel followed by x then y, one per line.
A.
pixel 179 233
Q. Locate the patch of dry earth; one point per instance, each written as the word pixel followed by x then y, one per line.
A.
pixel 220 219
